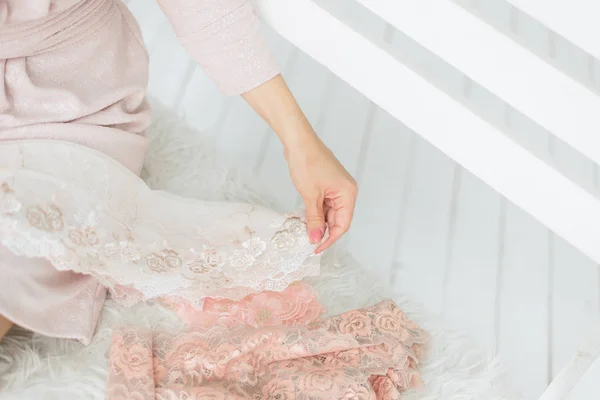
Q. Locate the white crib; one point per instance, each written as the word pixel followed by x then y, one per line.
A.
pixel 507 89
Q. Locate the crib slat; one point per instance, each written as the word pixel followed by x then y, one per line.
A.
pixel 170 68
pixel 575 20
pixel 484 150
pixel 342 131
pixel 382 184
pixel 589 384
pixel 574 300
pixel 423 233
pixel 523 303
pixel 564 107
pixel 475 257
pixel 202 105
pixel 578 380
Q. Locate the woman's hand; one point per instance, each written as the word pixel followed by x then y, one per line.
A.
pixel 328 191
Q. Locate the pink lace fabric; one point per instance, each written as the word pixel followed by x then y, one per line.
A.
pixel 371 353
pixel 295 305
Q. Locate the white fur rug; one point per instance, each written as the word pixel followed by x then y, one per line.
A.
pixel 181 160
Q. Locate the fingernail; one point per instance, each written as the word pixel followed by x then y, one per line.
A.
pixel 316 235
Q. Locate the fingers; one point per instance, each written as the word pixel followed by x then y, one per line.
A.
pixel 315 218
pixel 339 224
pixel 334 234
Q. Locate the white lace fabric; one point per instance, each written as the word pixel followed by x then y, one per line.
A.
pixel 84 212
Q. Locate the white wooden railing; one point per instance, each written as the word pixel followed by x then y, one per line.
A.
pixel 561 105
pixel 558 103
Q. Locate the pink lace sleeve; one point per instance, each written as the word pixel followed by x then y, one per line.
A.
pixel 226 39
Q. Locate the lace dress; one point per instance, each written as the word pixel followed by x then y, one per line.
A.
pixel 76 220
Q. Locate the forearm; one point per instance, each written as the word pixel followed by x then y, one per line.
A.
pixel 274 102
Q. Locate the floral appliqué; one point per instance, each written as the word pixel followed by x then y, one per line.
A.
pixel 84 237
pixel 287 238
pixel 208 263
pixel 164 260
pixel 49 218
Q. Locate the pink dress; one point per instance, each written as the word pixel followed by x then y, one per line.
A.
pixel 76 220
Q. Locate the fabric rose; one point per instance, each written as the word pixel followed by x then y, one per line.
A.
pixel 176 377
pixel 295 226
pixel 263 338
pixel 164 260
pixel 241 260
pixel 172 259
pixel 359 392
pixel 255 246
pixel 388 321
pixel 245 370
pixel 156 263
pixel 49 220
pixel 321 381
pixel 224 353
pixel 198 267
pixel 279 390
pixel 84 237
pixel 184 351
pixel 383 387
pixel 284 240
pixel 346 358
pixel 355 323
pixel 213 258
pixel 133 362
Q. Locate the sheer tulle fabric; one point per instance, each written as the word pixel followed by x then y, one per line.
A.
pixel 369 353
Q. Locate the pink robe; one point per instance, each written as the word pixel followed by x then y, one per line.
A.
pixel 77 70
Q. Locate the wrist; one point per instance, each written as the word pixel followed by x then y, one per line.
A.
pixel 299 141
pixel 296 133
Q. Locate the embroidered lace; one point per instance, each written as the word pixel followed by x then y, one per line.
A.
pixel 364 354
pixel 89 214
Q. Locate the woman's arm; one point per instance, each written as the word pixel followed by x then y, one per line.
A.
pixel 328 191
pixel 226 39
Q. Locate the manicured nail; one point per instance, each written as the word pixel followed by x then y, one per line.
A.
pixel 316 235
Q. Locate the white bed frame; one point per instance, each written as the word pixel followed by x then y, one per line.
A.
pixel 564 107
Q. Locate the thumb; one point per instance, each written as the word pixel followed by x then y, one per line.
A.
pixel 315 218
